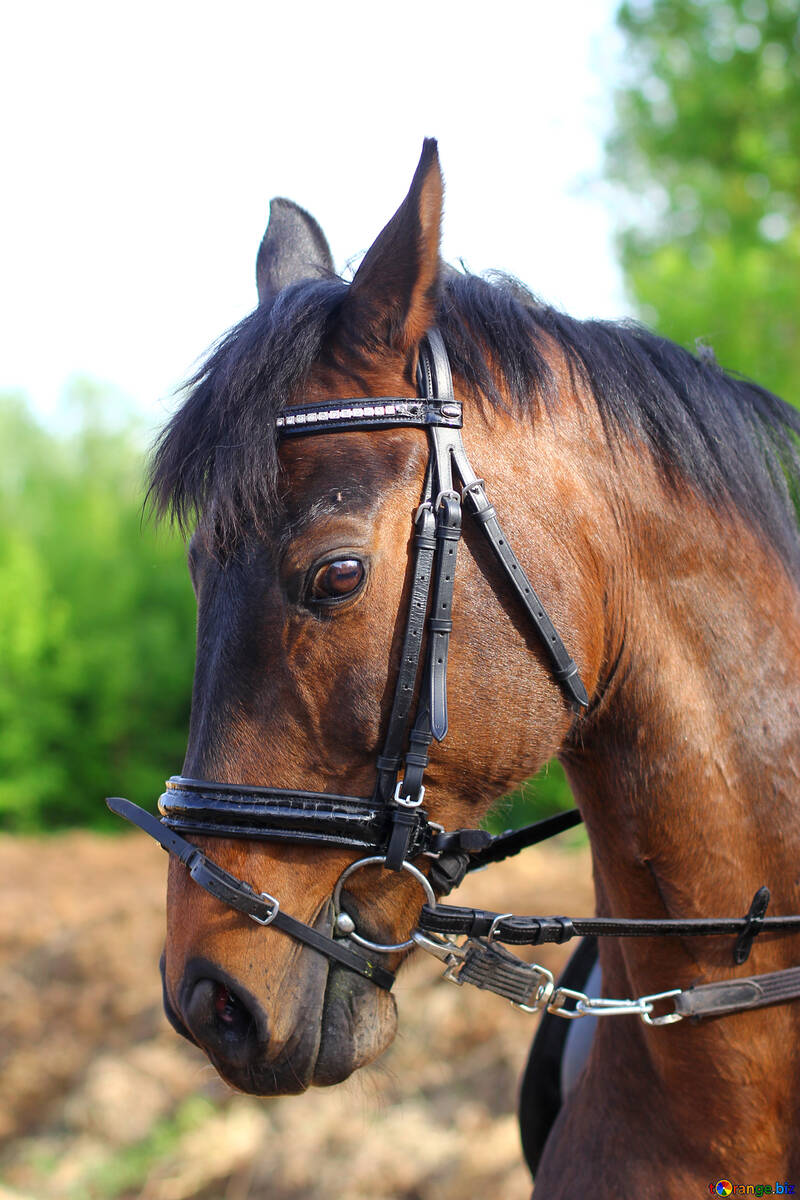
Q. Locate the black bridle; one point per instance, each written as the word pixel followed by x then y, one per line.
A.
pixel 392 828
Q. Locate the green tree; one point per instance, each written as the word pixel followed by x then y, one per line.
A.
pixel 96 624
pixel 706 153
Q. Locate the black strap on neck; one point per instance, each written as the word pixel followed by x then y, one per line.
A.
pixel 450 919
pixel 245 899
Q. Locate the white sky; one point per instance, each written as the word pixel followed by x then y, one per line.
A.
pixel 142 143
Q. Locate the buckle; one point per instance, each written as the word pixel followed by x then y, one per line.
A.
pixel 406 801
pixel 270 917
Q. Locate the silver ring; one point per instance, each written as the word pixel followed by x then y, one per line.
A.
pixel 430 897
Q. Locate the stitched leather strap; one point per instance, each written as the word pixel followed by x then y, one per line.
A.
pixel 277 814
pixel 491 968
pixel 505 845
pixel 735 995
pixel 532 931
pixel 470 850
pixel 390 759
pixel 440 623
pixel 240 895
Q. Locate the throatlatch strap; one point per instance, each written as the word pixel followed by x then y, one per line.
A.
pixel 240 895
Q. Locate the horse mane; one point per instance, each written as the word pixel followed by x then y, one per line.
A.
pixel 729 439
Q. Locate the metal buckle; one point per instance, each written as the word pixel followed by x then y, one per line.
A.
pixel 271 916
pixel 493 927
pixel 447 492
pixel 469 486
pixel 388 947
pixel 406 801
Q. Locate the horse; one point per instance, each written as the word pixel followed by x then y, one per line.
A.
pixel 651 499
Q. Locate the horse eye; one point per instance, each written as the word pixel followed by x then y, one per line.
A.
pixel 337 579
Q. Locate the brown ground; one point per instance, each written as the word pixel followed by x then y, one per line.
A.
pixel 100 1099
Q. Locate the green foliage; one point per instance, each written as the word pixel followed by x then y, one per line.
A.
pixel 548 792
pixel 706 153
pixel 96 625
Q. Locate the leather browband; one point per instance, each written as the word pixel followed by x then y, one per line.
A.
pixel 380 412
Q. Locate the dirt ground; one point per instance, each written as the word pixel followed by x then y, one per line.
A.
pixel 100 1100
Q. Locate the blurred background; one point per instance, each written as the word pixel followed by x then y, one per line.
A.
pixel 636 160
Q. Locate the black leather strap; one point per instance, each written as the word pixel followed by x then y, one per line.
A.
pixel 277 814
pixel 563 665
pixel 240 895
pixel 390 759
pixel 505 845
pixel 378 412
pixel 532 931
pixel 471 849
pixel 755 923
pixel 488 966
pixel 440 622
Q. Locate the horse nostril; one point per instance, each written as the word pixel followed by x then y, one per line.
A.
pixel 231 1013
pixel 223 1021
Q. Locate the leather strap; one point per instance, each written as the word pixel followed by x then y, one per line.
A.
pixel 493 969
pixel 470 850
pixel 240 895
pixel 505 845
pixel 278 814
pixel 563 665
pixel 390 759
pixel 532 931
pixel 735 995
pixel 378 412
pixel 440 622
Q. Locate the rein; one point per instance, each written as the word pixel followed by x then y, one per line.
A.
pixel 392 827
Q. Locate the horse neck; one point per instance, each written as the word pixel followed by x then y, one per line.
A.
pixel 688 773
pixel 690 767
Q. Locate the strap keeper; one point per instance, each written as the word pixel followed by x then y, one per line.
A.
pixel 391 763
pixel 481 923
pixel 566 930
pixel 483 515
pixel 562 674
pixel 440 625
pixel 755 923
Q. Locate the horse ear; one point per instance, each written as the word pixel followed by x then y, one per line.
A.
pixel 396 288
pixel 293 248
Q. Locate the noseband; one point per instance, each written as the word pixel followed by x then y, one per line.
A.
pixel 392 828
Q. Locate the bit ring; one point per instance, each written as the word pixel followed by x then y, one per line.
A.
pixel 388 948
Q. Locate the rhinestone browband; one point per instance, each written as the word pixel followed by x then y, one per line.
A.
pixel 387 411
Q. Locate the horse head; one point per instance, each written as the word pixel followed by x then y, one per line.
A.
pixel 302 562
